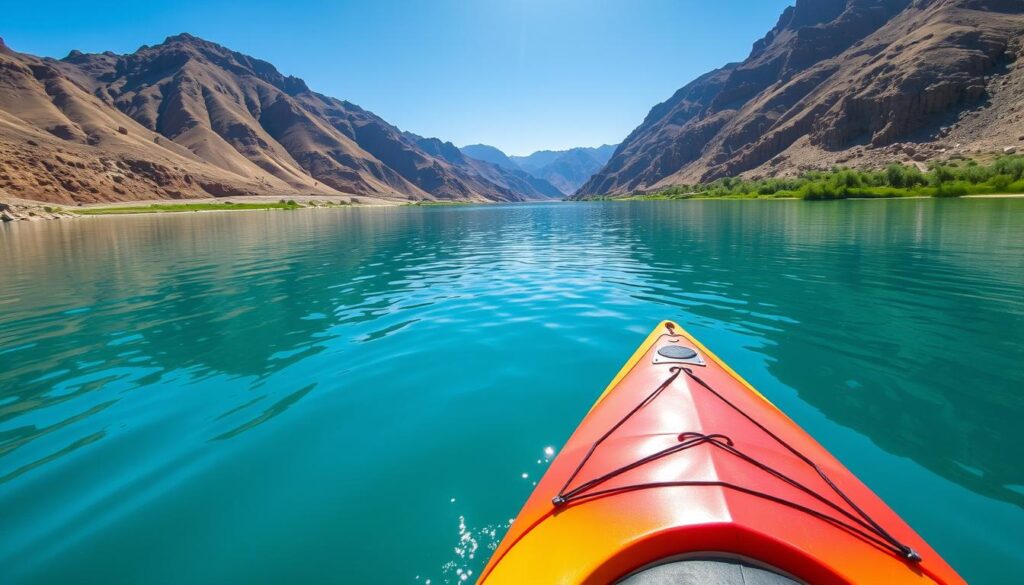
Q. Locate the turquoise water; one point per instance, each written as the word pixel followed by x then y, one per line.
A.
pixel 354 395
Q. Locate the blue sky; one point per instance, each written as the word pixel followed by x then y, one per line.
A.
pixel 522 75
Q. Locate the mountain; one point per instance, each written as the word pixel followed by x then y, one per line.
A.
pixel 565 169
pixel 510 180
pixel 568 169
pixel 854 82
pixel 490 154
pixel 543 158
pixel 533 163
pixel 190 118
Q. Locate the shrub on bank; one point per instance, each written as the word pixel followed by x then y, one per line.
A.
pixel 947 179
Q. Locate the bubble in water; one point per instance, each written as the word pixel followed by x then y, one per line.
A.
pixel 465 549
pixel 457 570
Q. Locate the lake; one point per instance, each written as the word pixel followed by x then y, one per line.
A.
pixel 366 395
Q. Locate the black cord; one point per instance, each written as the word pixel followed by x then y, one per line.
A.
pixel 860 524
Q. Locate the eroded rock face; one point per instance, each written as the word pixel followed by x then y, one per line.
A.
pixel 832 76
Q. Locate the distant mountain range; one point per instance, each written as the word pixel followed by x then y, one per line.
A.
pixel 190 118
pixel 854 82
pixel 565 169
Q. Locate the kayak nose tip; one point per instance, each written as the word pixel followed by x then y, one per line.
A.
pixel 912 555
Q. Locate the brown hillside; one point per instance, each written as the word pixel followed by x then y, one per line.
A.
pixel 190 118
pixel 857 82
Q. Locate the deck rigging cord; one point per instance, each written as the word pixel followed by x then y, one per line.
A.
pixel 857 522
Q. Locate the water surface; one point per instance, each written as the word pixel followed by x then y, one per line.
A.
pixel 355 395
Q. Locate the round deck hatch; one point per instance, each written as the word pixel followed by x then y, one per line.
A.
pixel 677 352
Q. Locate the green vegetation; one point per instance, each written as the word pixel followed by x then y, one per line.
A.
pixel 179 207
pixel 941 179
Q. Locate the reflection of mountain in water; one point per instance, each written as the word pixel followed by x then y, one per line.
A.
pixel 878 290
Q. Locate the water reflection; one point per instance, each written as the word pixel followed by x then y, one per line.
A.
pixel 287 378
pixel 902 320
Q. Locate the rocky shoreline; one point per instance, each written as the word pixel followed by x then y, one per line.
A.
pixel 10 211
pixel 14 209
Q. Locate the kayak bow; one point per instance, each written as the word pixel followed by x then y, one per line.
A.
pixel 683 473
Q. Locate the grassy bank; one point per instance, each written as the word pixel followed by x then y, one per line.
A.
pixel 946 179
pixel 182 207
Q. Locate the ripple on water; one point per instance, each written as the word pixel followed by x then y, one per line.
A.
pixel 302 389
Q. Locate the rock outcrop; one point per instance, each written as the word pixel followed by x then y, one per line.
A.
pixel 30 212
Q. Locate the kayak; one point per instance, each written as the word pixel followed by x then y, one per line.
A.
pixel 683 473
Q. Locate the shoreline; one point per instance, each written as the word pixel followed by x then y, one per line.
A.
pixel 18 209
pixel 769 198
pixel 13 210
pixel 995 196
pixel 301 199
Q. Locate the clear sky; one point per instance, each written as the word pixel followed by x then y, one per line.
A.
pixel 522 75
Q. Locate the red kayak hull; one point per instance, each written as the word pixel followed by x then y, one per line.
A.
pixel 730 506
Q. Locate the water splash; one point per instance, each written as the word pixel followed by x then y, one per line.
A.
pixel 471 543
pixel 467 559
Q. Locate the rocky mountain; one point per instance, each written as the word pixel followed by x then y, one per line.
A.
pixel 490 154
pixel 855 82
pixel 565 169
pixel 190 118
pixel 543 158
pixel 511 180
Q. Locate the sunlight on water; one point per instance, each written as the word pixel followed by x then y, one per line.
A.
pixel 367 395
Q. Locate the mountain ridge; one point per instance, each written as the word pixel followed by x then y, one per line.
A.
pixel 565 169
pixel 512 178
pixel 191 118
pixel 855 82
